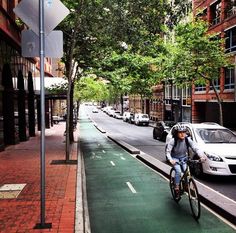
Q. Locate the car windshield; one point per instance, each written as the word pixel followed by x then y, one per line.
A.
pixel 216 135
pixel 145 116
pixel 169 124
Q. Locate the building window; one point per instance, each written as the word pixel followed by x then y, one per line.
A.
pixel 202 14
pixel 200 87
pixel 216 83
pixel 176 92
pixel 230 40
pixel 229 79
pixel 215 13
pixel 231 8
pixel 186 96
pixel 168 91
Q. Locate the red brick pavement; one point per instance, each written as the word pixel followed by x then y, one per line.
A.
pixel 21 164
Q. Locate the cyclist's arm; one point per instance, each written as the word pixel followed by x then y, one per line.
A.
pixel 196 149
pixel 169 148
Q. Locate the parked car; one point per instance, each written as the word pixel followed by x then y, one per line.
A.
pixel 111 112
pixel 117 115
pixel 161 129
pixel 131 118
pixel 126 116
pixel 95 110
pixel 107 109
pixel 141 119
pixel 218 144
pixel 56 119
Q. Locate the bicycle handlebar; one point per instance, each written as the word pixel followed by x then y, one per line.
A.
pixel 189 161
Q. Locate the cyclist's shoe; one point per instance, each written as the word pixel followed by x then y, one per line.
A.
pixel 177 191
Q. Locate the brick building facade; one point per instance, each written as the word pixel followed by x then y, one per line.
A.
pixel 221 16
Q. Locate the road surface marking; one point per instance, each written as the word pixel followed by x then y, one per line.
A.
pixel 131 187
pixel 103 151
pixel 112 163
pixel 122 158
pixel 94 156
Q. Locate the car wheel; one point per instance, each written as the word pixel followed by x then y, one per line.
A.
pixel 154 135
pixel 163 137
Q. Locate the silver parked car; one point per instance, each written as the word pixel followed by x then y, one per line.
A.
pixel 141 119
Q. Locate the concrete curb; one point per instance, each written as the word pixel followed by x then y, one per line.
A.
pixel 126 146
pixel 79 207
pixel 82 223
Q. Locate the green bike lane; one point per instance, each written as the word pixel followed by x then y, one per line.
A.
pixel 124 195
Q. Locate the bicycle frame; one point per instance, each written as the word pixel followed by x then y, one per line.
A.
pixel 186 181
pixel 185 177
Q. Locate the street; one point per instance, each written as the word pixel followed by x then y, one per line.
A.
pixel 123 195
pixel 141 138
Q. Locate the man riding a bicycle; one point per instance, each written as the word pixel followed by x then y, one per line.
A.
pixel 177 151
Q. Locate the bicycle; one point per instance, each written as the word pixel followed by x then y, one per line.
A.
pixel 187 186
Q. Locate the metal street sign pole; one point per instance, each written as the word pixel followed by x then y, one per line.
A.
pixel 40 11
pixel 42 223
pixel 42 106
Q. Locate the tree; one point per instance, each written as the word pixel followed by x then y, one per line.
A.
pixel 79 51
pixel 176 11
pixel 90 88
pixel 130 73
pixel 198 57
pixel 94 29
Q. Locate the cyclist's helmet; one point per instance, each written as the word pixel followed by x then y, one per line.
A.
pixel 180 128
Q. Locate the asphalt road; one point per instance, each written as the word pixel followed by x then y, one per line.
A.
pixel 141 138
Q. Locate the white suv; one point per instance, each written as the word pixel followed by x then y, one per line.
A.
pixel 218 144
pixel 141 119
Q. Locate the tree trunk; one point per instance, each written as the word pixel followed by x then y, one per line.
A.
pixel 142 106
pixel 219 103
pixel 71 107
pixel 69 73
pixel 122 104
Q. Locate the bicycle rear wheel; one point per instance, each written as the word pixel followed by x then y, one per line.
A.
pixel 172 185
pixel 194 199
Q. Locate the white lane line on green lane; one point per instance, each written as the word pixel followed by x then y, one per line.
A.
pixel 132 189
pixel 112 163
pixel 123 158
pixel 103 151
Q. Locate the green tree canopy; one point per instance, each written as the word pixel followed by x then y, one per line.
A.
pixel 90 88
pixel 196 57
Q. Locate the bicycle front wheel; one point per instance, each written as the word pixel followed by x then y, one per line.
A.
pixel 194 199
pixel 172 185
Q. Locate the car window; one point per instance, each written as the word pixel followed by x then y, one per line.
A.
pixel 216 135
pixel 170 123
pixel 145 116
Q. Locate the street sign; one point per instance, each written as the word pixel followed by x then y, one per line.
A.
pixel 54 12
pixel 41 16
pixel 53 44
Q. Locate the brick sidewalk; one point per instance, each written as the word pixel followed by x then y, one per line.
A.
pixel 20 164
